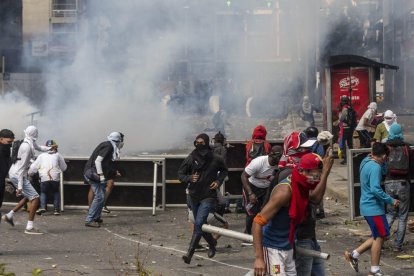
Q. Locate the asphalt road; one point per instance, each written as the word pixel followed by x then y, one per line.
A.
pixel 132 241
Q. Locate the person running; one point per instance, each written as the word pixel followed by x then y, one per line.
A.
pixel 203 172
pixel 18 175
pixel 97 170
pixel 109 181
pixel 371 204
pixel 274 227
pixel 49 165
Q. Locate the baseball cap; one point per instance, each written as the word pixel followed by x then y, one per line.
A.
pixel 310 161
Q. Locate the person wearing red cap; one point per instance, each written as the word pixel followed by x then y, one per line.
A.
pixel 274 227
pixel 257 146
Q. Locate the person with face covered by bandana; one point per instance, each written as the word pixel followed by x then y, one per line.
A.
pixel 256 178
pixel 274 227
pixel 18 175
pixel 6 140
pixel 381 132
pixel 98 169
pixel 203 172
pixel 109 183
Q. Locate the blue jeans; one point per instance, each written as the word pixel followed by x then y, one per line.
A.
pixel 307 266
pixel 201 209
pixel 398 189
pixel 97 204
pixel 44 189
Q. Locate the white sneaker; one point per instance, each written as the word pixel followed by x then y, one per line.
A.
pixel 33 231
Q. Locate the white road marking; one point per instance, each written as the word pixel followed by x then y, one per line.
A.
pixel 172 249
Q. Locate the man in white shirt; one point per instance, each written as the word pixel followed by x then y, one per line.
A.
pixel 365 125
pixel 256 178
pixel 49 165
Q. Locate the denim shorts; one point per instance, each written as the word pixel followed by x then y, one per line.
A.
pixel 27 189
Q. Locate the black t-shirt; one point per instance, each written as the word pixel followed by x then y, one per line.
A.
pixel 306 230
pixel 106 150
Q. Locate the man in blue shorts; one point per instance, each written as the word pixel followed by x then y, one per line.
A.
pixel 372 201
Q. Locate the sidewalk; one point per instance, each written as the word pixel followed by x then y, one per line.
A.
pixel 337 186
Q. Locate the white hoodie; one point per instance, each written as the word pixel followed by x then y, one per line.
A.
pixel 20 169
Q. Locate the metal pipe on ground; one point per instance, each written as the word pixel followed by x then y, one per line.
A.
pixel 249 238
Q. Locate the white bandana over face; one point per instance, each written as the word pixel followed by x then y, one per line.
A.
pixel 31 133
pixel 391 118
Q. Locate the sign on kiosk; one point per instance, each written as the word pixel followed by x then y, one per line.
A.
pixel 359 84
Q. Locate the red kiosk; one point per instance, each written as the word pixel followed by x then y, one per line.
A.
pixel 353 76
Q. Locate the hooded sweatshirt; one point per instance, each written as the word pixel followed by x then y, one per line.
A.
pixel 49 165
pixel 373 197
pixel 26 152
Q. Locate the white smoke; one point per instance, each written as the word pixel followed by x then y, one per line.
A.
pixel 125 67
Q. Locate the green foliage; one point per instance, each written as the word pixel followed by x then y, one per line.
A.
pixel 3 271
pixel 36 272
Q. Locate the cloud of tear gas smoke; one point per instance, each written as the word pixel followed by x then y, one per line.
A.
pixel 131 60
pixel 12 106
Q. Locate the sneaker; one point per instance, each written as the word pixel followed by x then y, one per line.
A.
pixel 343 162
pixel 33 231
pixel 99 220
pixel 378 273
pixel 93 224
pixel 8 220
pixel 40 211
pixel 353 262
pixel 56 212
pixel 397 249
pixel 105 210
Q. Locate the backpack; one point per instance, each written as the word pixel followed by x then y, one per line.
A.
pixel 351 117
pixel 398 160
pixel 256 148
pixel 15 150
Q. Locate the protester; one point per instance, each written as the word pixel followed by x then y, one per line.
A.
pixel 397 182
pixel 320 147
pixel 365 125
pixel 346 129
pixel 220 149
pixel 18 175
pixel 372 207
pixel 274 227
pixel 257 146
pixel 381 132
pixel 114 172
pixel 49 165
pixel 6 140
pixel 256 178
pixel 306 111
pixel 295 145
pixel 306 231
pixel 203 172
pixel 98 169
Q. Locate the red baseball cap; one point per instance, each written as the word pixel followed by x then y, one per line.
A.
pixel 310 161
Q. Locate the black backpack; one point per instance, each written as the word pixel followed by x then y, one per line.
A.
pixel 351 117
pixel 398 160
pixel 15 150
